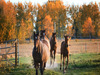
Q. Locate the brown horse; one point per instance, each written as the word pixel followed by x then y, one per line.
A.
pixel 40 53
pixel 64 53
pixel 43 37
pixel 53 45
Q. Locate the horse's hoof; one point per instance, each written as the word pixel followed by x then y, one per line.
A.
pixel 64 71
pixel 65 68
pixel 50 64
pixel 60 68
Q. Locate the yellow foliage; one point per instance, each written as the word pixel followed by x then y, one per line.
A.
pixel 22 32
pixel 7 21
pixel 69 30
pixel 88 27
pixel 48 25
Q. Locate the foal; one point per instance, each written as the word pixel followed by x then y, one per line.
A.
pixel 64 53
pixel 53 44
pixel 40 53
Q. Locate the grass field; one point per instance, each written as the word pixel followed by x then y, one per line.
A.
pixel 84 59
pixel 79 64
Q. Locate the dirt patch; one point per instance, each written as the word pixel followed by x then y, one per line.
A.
pixel 48 66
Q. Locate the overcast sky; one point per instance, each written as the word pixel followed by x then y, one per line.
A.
pixel 76 2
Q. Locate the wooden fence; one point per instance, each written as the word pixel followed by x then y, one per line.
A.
pixel 8 49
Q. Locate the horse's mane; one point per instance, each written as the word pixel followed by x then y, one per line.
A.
pixel 45 42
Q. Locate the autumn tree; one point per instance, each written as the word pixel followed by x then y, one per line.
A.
pixel 48 25
pixel 69 30
pixel 29 14
pixel 7 21
pixel 19 8
pixel 96 18
pixel 74 12
pixel 22 32
pixel 41 14
pixel 91 10
pixel 57 11
pixel 25 13
pixel 97 27
pixel 88 28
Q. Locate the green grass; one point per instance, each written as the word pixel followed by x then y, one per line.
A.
pixel 84 64
pixel 79 64
pixel 25 60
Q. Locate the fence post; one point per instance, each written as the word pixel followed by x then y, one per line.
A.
pixel 15 53
pixel 18 50
pixel 0 49
pixel 98 47
pixel 85 48
pixel 6 55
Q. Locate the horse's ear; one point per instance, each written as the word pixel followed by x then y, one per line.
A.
pixel 40 31
pixel 55 33
pixel 34 34
pixel 45 30
pixel 37 33
pixel 64 35
pixel 52 34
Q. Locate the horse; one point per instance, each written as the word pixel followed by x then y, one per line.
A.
pixel 65 53
pixel 53 45
pixel 40 53
pixel 43 37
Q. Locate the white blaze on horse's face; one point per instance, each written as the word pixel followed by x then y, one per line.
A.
pixel 36 41
pixel 36 38
pixel 43 34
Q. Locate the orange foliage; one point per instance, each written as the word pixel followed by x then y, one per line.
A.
pixel 88 28
pixel 48 25
pixel 7 20
pixel 22 32
pixel 99 31
pixel 69 30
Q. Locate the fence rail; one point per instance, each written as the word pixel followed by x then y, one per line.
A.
pixel 86 47
pixel 7 52
pixel 7 47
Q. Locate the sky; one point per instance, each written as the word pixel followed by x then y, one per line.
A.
pixel 41 2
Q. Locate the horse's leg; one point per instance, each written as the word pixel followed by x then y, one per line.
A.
pixel 64 64
pixel 36 66
pixel 67 61
pixel 51 57
pixel 41 68
pixel 44 65
pixel 61 61
pixel 54 54
pixel 36 71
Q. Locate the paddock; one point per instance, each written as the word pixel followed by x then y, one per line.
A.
pixel 82 51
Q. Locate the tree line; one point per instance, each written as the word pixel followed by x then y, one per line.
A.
pixel 20 20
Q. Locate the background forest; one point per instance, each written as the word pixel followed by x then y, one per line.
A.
pixel 20 20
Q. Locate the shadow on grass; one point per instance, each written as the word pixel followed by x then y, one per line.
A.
pixel 23 69
pixel 78 66
pixel 85 64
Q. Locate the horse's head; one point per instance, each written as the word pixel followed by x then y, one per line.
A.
pixel 66 38
pixel 54 36
pixel 36 39
pixel 43 33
